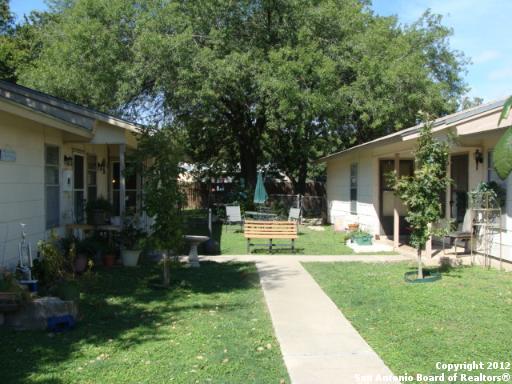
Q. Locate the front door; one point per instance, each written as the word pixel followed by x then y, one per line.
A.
pixel 387 196
pixel 459 190
pixel 79 187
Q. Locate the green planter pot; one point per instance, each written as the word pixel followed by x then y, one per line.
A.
pixel 363 240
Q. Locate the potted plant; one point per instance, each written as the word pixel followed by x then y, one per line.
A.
pixel 109 257
pixel 361 237
pixel 12 294
pixel 98 211
pixel 132 242
pixel 76 252
pixel 353 227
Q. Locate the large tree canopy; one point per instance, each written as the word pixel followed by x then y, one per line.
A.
pixel 20 43
pixel 251 82
pixel 6 43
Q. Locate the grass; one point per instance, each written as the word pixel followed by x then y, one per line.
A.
pixel 232 241
pixel 310 242
pixel 464 317
pixel 211 326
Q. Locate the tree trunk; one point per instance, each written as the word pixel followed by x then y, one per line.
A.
pixel 166 281
pixel 248 166
pixel 300 187
pixel 420 266
pixel 248 137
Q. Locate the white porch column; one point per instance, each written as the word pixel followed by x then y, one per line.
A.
pixel 122 179
pixel 396 216
pixel 447 197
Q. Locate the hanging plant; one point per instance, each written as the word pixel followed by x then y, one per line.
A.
pixel 503 149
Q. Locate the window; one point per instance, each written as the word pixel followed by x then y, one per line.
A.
pixel 52 186
pixel 79 188
pixel 131 189
pixel 92 185
pixel 353 189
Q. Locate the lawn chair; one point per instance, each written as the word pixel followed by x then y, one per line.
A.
pixel 464 234
pixel 234 216
pixel 294 215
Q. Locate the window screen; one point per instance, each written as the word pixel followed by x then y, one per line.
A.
pixel 353 189
pixel 130 189
pixel 92 186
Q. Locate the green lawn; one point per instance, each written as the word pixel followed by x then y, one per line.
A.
pixel 310 242
pixel 212 326
pixel 232 242
pixel 465 317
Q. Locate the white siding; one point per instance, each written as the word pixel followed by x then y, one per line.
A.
pixel 22 182
pixel 338 193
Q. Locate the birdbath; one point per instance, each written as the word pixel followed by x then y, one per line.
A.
pixel 194 241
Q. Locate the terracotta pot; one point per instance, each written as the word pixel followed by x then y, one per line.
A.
pixel 80 264
pixel 353 227
pixel 109 260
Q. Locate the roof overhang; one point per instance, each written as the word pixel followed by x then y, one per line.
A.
pixel 80 133
pixel 56 109
pixel 462 123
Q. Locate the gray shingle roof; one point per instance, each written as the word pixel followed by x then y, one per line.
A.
pixel 57 108
pixel 445 120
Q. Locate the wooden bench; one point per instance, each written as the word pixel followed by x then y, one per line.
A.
pixel 270 230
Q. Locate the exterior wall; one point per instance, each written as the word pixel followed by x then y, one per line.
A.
pixel 338 193
pixel 22 189
pixel 338 189
pixel 22 183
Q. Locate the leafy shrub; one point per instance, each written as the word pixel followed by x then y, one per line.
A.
pixel 52 264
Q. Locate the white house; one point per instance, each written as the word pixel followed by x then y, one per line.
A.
pixel 356 183
pixel 54 156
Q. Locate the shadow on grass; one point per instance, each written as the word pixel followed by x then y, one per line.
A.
pixel 118 304
pixel 445 269
pixel 276 251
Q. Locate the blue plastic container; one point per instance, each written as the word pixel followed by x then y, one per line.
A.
pixel 61 323
pixel 31 285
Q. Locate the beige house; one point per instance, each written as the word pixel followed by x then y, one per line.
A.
pixel 356 184
pixel 54 156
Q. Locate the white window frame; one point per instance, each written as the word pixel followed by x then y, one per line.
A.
pixel 51 225
pixel 353 184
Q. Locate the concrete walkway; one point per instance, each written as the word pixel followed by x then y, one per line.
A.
pixel 318 343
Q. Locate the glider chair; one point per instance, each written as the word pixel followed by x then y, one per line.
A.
pixel 462 235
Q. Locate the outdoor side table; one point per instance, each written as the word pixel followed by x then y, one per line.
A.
pixel 79 230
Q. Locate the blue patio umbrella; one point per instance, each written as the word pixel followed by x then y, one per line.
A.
pixel 260 194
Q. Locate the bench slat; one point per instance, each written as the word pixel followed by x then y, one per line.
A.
pixel 270 230
pixel 271 237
